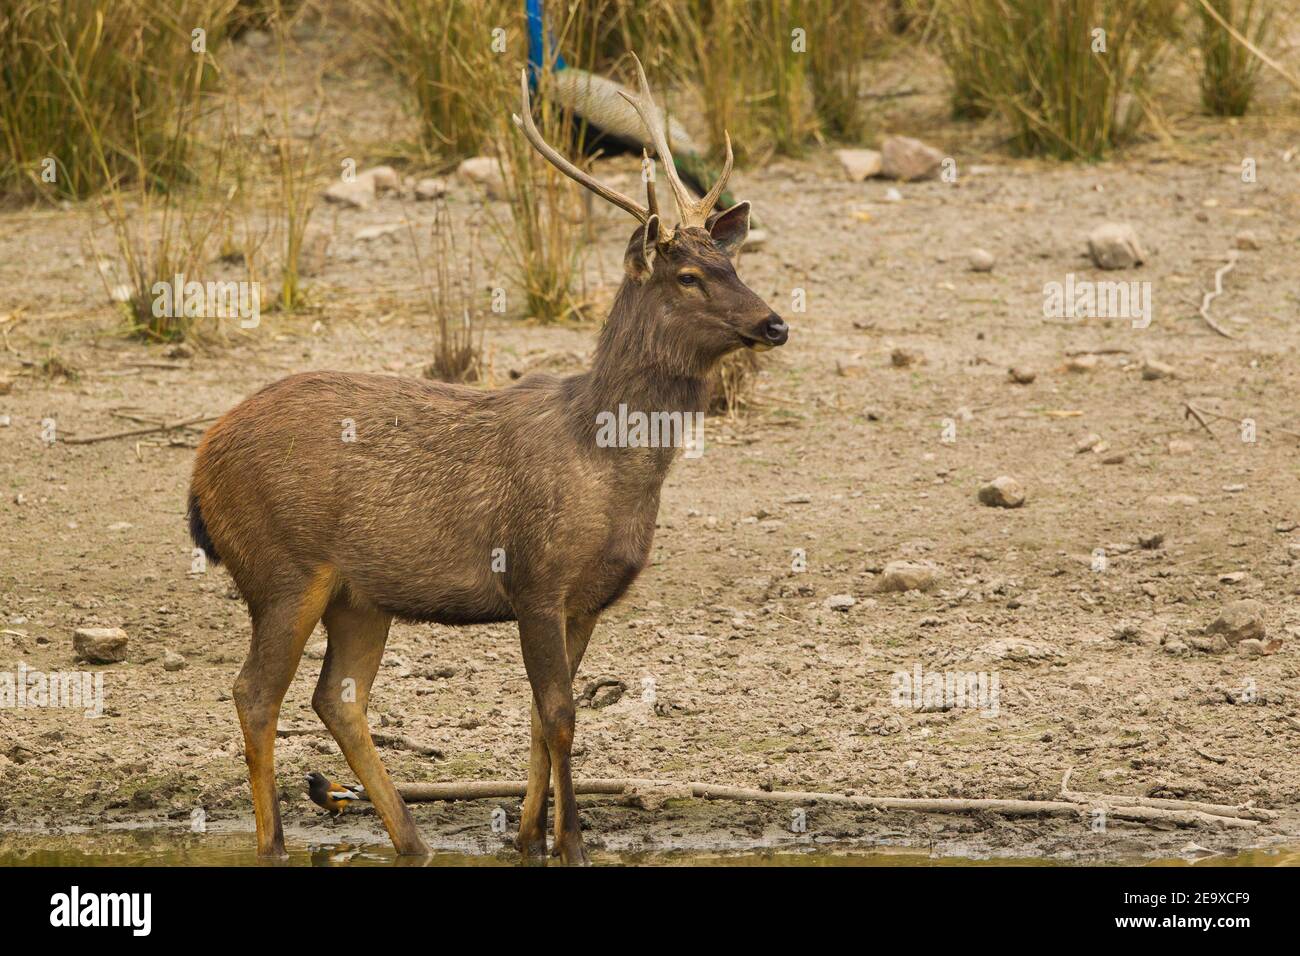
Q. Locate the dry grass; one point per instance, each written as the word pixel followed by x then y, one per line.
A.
pixel 1229 71
pixel 1070 77
pixel 454 301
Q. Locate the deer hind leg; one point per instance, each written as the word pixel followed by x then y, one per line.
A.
pixel 281 627
pixel 356 647
pixel 551 659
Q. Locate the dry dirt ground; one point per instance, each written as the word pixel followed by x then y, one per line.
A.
pixel 844 456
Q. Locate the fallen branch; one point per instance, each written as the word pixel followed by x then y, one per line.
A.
pixel 402 742
pixel 1194 412
pixel 133 432
pixel 1218 291
pixel 1242 811
pixel 618 786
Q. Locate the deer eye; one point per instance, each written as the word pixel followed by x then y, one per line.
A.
pixel 688 278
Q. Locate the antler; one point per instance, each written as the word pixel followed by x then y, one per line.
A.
pixel 693 212
pixel 573 172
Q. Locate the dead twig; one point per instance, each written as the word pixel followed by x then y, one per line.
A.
pixel 1222 271
pixel 1194 412
pixel 133 432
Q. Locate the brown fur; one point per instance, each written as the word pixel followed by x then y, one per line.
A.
pixel 403 522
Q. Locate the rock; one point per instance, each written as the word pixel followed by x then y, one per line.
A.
pixel 893 195
pixel 902 358
pixel 1180 446
pixel 1209 645
pixel 1176 648
pixel 357 194
pixel 429 188
pixel 1251 647
pixel 315 651
pixel 1081 363
pixel 1239 621
pixel 859 164
pixel 1153 370
pixel 174 662
pixel 909 159
pixel 370 233
pixel 484 171
pixel 1151 542
pixel 1002 492
pixel 908 576
pixel 1021 376
pixel 1114 245
pixel 1163 501
pixel 5 421
pixel 1246 240
pixel 1087 443
pixel 839 602
pixel 100 645
pixel 1017 649
pixel 384 178
pixel 981 260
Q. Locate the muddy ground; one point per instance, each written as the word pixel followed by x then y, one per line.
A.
pixel 843 455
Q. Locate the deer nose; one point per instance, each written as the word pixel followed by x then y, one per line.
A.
pixel 776 330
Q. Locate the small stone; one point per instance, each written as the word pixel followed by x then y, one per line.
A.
pixel 1002 492
pixel 1176 648
pixel 909 159
pixel 1246 241
pixel 1180 446
pixel 1087 443
pixel 908 576
pixel 430 188
pixel 100 645
pixel 1209 645
pixel 1114 245
pixel 484 171
pixel 357 194
pixel 839 602
pixel 893 195
pixel 1153 370
pixel 315 651
pixel 1232 577
pixel 1021 376
pixel 174 662
pixel 1081 363
pixel 5 421
pixel 385 179
pixel 981 260
pixel 1251 647
pixel 1181 501
pixel 1239 621
pixel 1150 542
pixel 859 164
pixel 902 358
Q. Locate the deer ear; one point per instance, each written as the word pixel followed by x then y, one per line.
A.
pixel 730 228
pixel 637 262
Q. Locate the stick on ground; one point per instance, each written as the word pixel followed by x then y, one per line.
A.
pixel 1116 808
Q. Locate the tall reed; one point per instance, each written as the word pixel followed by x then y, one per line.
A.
pixel 1229 71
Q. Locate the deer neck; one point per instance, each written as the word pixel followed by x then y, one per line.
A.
pixel 634 372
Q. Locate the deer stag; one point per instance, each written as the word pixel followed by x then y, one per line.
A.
pixel 456 505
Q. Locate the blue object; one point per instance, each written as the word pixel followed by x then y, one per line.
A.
pixel 541 45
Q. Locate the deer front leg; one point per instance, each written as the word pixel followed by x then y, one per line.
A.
pixel 532 818
pixel 546 659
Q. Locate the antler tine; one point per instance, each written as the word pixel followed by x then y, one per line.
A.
pixel 529 128
pixel 645 107
pixel 652 202
pixel 711 200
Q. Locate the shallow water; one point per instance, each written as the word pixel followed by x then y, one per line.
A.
pixel 169 848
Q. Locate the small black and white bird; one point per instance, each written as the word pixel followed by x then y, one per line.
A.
pixel 331 796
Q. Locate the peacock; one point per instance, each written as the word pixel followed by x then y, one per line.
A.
pixel 607 123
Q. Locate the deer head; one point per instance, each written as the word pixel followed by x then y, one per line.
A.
pixel 689 306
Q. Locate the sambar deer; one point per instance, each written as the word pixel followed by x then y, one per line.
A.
pixel 405 520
